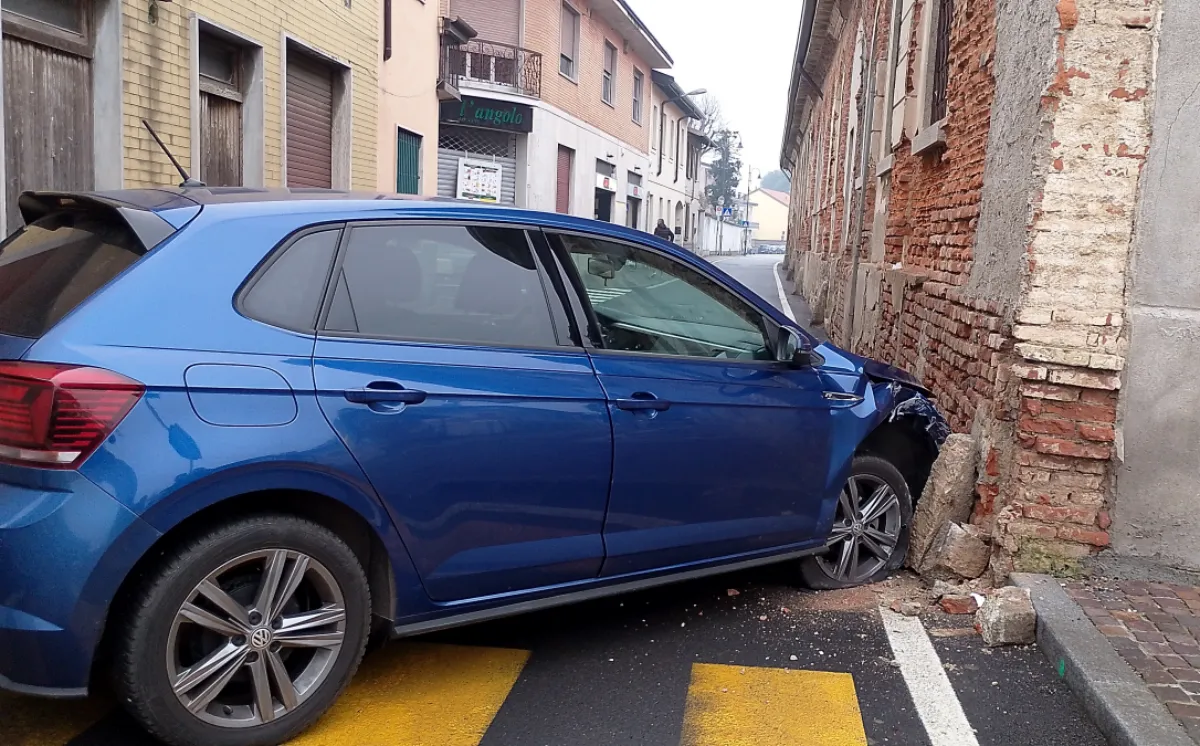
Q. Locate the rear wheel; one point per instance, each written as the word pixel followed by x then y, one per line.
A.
pixel 870 532
pixel 246 636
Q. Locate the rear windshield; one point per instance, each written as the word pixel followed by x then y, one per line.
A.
pixel 51 266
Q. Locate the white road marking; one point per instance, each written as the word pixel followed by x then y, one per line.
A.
pixel 600 295
pixel 932 693
pixel 785 306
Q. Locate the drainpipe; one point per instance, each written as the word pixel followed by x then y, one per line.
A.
pixel 866 121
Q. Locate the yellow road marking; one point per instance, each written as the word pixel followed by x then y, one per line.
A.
pixel 744 706
pixel 420 694
pixel 30 721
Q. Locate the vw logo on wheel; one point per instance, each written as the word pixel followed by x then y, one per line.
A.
pixel 261 638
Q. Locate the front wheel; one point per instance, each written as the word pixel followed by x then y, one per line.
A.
pixel 246 635
pixel 870 532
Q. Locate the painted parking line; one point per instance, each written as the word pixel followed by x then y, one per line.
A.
pixel 934 697
pixel 421 694
pixel 29 721
pixel 747 706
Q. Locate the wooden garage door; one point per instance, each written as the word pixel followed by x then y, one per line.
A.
pixel 48 138
pixel 309 122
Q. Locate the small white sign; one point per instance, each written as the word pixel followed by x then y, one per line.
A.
pixel 479 180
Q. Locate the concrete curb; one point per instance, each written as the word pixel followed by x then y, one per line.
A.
pixel 1111 692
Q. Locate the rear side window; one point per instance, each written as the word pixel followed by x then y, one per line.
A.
pixel 473 285
pixel 51 266
pixel 288 293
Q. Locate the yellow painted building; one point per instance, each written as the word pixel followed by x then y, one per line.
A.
pixel 278 85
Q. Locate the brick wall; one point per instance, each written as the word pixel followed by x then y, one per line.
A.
pixel 158 88
pixel 582 99
pixel 917 314
pixel 1033 370
pixel 1070 326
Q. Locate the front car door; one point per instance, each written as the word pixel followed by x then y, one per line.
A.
pixel 445 367
pixel 718 450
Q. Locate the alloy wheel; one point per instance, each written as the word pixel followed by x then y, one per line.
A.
pixel 866 530
pixel 256 638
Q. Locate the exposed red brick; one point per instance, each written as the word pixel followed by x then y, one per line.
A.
pixel 1068 15
pixel 1082 412
pixel 1060 514
pixel 992 466
pixel 1059 447
pixel 1047 426
pixel 1103 520
pixel 1098 433
pixel 1084 535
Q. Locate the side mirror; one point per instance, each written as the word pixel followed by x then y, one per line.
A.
pixel 793 349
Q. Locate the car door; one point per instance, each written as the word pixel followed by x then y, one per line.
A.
pixel 718 450
pixel 445 369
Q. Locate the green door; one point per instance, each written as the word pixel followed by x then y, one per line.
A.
pixel 408 162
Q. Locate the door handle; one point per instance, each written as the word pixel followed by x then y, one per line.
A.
pixel 643 401
pixel 384 391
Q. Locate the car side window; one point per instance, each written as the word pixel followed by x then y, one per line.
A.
pixel 288 292
pixel 464 284
pixel 647 302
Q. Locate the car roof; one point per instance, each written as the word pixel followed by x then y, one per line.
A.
pixel 347 205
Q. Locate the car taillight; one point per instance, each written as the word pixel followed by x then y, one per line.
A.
pixel 54 416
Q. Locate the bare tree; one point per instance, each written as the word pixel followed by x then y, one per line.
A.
pixel 712 121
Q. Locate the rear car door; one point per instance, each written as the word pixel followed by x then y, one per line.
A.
pixel 448 370
pixel 718 451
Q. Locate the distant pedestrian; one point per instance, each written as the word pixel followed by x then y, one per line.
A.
pixel 663 232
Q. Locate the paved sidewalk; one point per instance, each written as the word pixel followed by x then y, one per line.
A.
pixel 1155 627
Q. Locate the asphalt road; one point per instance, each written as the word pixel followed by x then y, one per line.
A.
pixel 692 665
pixel 758 272
pixel 747 659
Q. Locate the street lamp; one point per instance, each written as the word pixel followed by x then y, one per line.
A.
pixel 689 94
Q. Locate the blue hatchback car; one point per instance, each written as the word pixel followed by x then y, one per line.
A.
pixel 243 431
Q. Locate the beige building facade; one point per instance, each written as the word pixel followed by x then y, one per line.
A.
pixel 268 93
pixel 408 98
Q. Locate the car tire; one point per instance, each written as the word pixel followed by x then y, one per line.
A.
pixel 858 539
pixel 164 646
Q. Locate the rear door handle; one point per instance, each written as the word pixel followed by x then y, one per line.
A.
pixel 643 401
pixel 385 391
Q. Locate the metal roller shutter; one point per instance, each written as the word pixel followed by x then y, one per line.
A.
pixel 495 20
pixel 309 122
pixel 484 145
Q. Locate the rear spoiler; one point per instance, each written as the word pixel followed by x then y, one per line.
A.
pixel 149 227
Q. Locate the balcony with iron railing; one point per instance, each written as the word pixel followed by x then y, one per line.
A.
pixel 492 65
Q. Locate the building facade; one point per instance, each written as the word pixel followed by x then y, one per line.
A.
pixel 549 105
pixel 675 149
pixel 283 93
pixel 967 177
pixel 408 100
pixel 770 211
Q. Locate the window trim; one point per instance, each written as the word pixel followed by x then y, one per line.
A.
pixel 577 23
pixel 610 75
pixel 639 96
pixel 273 256
pixel 79 43
pixel 592 324
pixel 562 336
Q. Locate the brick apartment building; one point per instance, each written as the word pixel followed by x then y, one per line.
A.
pixel 971 201
pixel 572 80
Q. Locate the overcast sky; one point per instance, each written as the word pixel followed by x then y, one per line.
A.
pixel 741 51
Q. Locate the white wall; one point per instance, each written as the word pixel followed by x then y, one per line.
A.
pixel 715 236
pixel 553 127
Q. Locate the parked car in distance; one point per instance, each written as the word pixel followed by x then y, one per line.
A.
pixel 242 431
